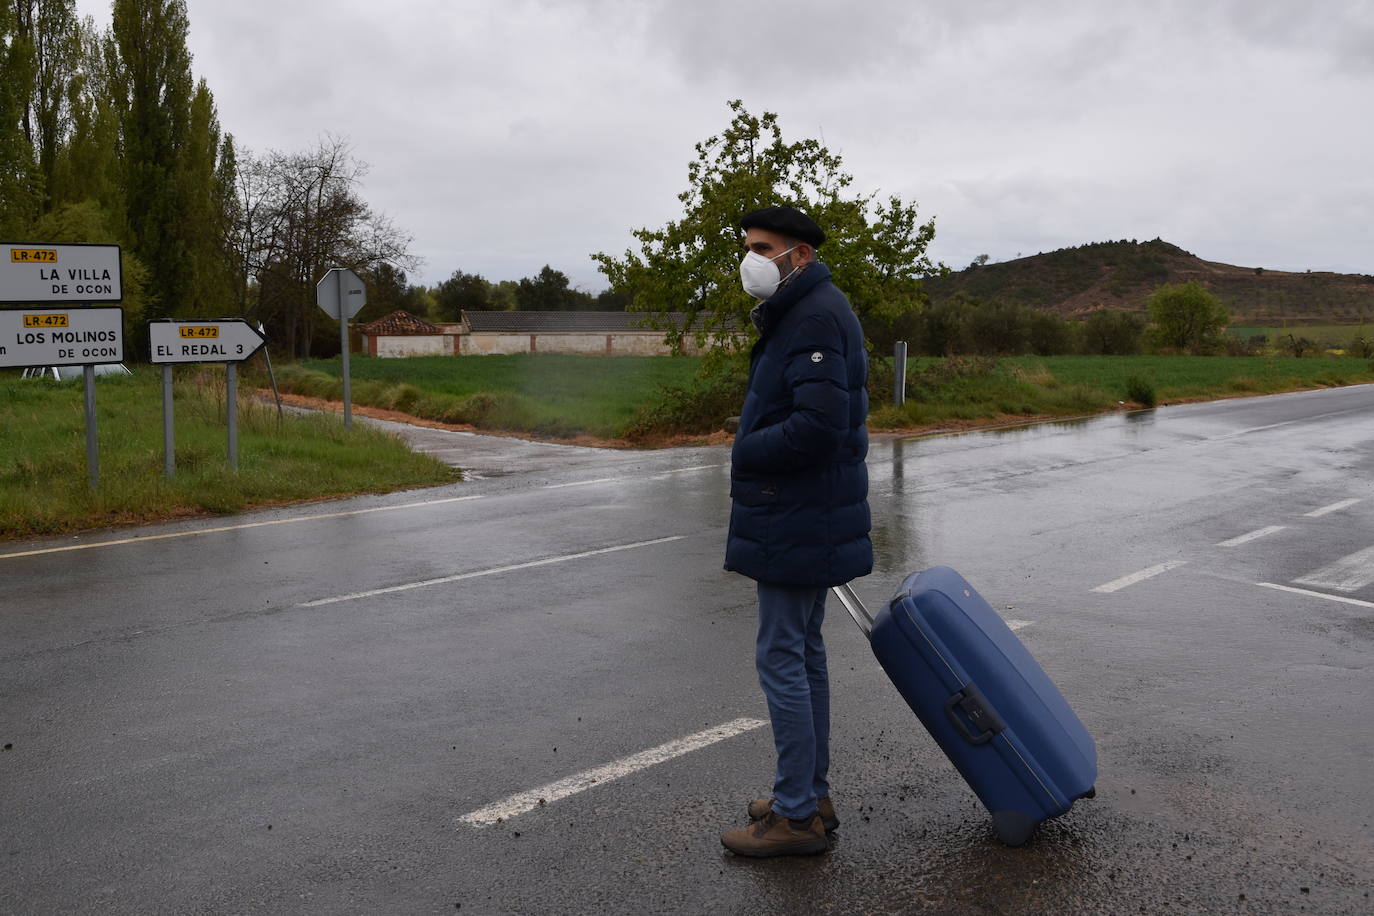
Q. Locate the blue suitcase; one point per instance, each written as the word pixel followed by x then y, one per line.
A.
pixel 986 702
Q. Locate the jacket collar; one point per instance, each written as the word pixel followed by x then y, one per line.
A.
pixel 769 312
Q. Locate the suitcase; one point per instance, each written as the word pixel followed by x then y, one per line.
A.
pixel 983 698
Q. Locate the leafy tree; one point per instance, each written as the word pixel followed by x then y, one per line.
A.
pixel 170 148
pixel 1108 332
pixel 999 328
pixel 1049 335
pixel 876 249
pixel 549 291
pixel 1186 317
pixel 20 180
pixel 463 292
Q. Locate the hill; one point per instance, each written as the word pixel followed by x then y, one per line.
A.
pixel 1122 275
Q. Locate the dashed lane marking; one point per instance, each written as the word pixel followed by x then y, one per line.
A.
pixel 1302 591
pixel 579 483
pixel 1126 581
pixel 276 521
pixel 547 561
pixel 1014 625
pixel 523 802
pixel 1334 507
pixel 1345 575
pixel 1252 536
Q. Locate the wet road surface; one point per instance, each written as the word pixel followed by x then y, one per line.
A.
pixel 309 709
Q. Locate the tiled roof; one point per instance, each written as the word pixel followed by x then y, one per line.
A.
pixel 399 322
pixel 568 322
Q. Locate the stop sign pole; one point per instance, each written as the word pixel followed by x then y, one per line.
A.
pixel 342 295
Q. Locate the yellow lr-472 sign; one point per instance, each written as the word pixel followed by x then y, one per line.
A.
pixel 199 332
pixel 33 255
pixel 46 321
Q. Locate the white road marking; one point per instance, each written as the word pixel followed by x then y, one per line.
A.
pixel 1334 507
pixel 580 483
pixel 1345 575
pixel 1015 625
pixel 547 561
pixel 1252 536
pixel 1125 581
pixel 275 521
pixel 523 802
pixel 1303 591
pixel 696 467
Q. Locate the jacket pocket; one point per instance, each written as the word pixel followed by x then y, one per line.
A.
pixel 754 492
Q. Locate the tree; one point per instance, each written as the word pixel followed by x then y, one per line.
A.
pixel 1108 332
pixel 1186 317
pixel 173 181
pixel 549 291
pixel 463 292
pixel 300 214
pixel 20 180
pixel 876 249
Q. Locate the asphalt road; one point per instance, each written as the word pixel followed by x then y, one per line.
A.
pixel 323 709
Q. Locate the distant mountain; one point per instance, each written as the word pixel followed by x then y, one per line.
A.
pixel 1122 275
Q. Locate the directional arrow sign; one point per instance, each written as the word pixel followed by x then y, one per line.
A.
pixel 341 285
pixel 42 272
pixel 221 340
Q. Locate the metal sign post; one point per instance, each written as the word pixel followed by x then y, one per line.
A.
pixel 169 460
pixel 219 340
pixel 342 294
pixel 231 397
pixel 92 446
pixel 65 337
pixel 899 373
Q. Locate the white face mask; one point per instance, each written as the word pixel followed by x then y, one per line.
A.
pixel 761 275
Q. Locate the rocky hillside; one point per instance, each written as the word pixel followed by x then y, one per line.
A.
pixel 1121 275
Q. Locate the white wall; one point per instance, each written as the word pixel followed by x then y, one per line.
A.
pixel 419 345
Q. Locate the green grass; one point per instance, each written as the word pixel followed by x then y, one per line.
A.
pixel 43 478
pixel 548 394
pixel 968 389
pixel 1336 336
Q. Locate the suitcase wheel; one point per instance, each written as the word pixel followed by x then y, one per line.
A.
pixel 1013 827
pixel 1091 793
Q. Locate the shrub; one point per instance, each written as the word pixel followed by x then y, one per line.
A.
pixel 1141 390
pixel 700 407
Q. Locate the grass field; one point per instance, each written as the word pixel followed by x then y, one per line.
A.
pixel 969 389
pixel 43 480
pixel 556 395
pixel 544 393
pixel 1336 336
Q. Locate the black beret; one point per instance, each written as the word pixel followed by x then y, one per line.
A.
pixel 787 221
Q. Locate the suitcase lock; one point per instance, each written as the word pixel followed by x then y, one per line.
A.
pixel 978 710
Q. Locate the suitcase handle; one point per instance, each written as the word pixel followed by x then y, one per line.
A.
pixel 979 711
pixel 855 607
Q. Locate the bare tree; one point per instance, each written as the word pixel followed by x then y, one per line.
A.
pixel 300 214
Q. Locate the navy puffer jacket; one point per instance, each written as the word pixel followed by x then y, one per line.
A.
pixel 798 484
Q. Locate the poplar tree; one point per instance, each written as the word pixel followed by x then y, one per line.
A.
pixel 20 181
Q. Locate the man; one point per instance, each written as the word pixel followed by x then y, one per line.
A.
pixel 799 517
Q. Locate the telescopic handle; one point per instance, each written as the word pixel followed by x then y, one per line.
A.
pixel 855 607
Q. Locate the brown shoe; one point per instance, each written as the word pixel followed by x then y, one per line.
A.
pixel 775 835
pixel 759 808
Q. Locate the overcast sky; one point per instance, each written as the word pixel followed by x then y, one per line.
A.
pixel 506 134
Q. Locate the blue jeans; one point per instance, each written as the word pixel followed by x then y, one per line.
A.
pixel 790 656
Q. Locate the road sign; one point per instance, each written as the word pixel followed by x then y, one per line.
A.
pixel 61 337
pixel 341 285
pixel 39 272
pixel 221 340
